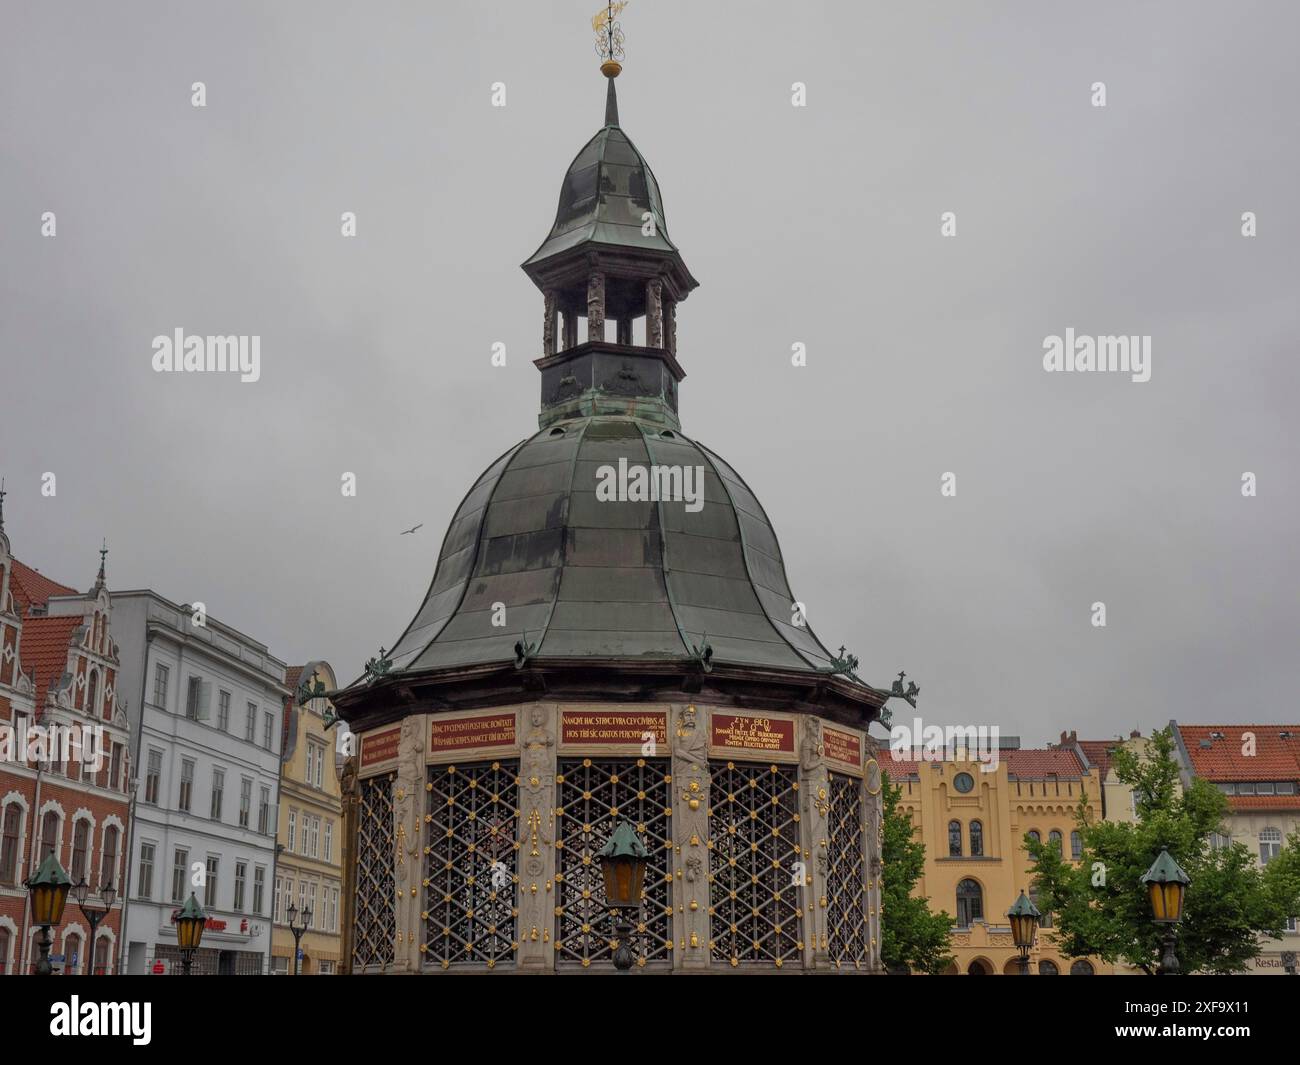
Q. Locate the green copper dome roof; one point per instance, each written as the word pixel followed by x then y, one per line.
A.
pixel 607 191
pixel 584 578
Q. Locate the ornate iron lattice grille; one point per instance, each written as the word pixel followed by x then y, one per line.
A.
pixel 470 865
pixel 375 923
pixel 846 890
pixel 753 846
pixel 593 795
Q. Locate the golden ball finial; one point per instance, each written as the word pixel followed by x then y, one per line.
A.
pixel 611 68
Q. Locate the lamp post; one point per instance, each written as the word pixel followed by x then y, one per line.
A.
pixel 189 931
pixel 298 930
pixel 622 864
pixel 1024 927
pixel 1166 884
pixel 94 913
pixel 48 890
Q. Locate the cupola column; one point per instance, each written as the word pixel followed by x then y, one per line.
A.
pixel 570 320
pixel 654 313
pixel 548 322
pixel 670 327
pixel 596 306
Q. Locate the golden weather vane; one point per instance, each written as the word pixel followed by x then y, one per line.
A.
pixel 609 37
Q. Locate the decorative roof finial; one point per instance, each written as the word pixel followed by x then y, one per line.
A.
pixel 609 38
pixel 2 504
pixel 103 554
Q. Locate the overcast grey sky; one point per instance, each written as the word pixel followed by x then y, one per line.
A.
pixel 817 225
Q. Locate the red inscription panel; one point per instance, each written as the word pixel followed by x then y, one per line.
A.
pixel 380 747
pixel 614 727
pixel 753 733
pixel 489 730
pixel 842 747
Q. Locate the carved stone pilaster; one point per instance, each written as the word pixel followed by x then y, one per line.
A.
pixel 690 771
pixel 873 841
pixel 408 801
pixel 548 322
pixel 596 306
pixel 654 313
pixel 536 855
pixel 350 800
pixel 814 787
pixel 670 327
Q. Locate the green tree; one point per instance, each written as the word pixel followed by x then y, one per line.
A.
pixel 910 935
pixel 1101 908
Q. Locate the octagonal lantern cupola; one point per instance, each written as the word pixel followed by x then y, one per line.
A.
pixel 608 258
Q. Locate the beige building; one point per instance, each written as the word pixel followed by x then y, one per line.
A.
pixel 1117 802
pixel 308 874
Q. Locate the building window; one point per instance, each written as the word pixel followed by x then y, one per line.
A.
pixel 275 916
pixel 334 911
pixel 218 792
pixel 320 761
pixel 160 675
pixel 1076 845
pixel 187 784
pixel 1054 838
pixel 1034 834
pixel 264 811
pixel 1219 841
pixel 245 800
pixel 1270 844
pixel 115 768
pixel 193 697
pixel 92 693
pixel 71 953
pixel 315 836
pixel 241 873
pixel 329 841
pixel 311 905
pixel 250 723
pixel 210 887
pixel 311 760
pixel 49 834
pixel 108 859
pixel 970 903
pixel 5 941
pixel 152 776
pixel 80 849
pixel 1048 968
pixel 103 958
pixel 976 839
pixel 302 897
pixel 268 723
pixel 259 888
pixel 144 882
pixel 223 711
pixel 293 828
pixel 9 846
pixel 954 839
pixel 1082 968
pixel 180 874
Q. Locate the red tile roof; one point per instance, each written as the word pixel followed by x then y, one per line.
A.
pixel 291 677
pixel 1041 763
pixel 1274 758
pixel 44 651
pixel 898 770
pixel 31 588
pixel 1264 802
pixel 1098 753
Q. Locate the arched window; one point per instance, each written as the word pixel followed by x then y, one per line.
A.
pixel 80 849
pixel 1270 844
pixel 49 833
pixel 1076 846
pixel 5 940
pixel 954 839
pixel 976 839
pixel 1054 838
pixel 9 844
pixel 1048 968
pixel 92 691
pixel 1034 834
pixel 1082 968
pixel 72 959
pixel 108 857
pixel 970 903
pixel 102 946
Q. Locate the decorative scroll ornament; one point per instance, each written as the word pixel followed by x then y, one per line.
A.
pixel 307 690
pixel 609 33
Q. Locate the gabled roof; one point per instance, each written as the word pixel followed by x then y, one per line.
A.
pixel 44 651
pixel 1224 758
pixel 33 589
pixel 1098 753
pixel 1037 764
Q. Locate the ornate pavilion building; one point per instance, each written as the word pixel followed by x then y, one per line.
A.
pixel 579 660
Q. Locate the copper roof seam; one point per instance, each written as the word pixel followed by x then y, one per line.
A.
pixel 564 529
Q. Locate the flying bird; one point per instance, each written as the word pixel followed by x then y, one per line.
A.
pixel 413 528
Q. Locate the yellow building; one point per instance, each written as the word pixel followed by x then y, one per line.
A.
pixel 309 863
pixel 973 823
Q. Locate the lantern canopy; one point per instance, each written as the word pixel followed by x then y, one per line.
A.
pixel 48 889
pixel 622 863
pixel 1024 917
pixel 189 925
pixel 1166 884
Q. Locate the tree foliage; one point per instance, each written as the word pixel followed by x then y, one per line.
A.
pixel 911 936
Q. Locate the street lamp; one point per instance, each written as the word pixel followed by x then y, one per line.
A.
pixel 1024 927
pixel 1166 884
pixel 622 864
pixel 189 930
pixel 298 930
pixel 94 913
pixel 48 890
